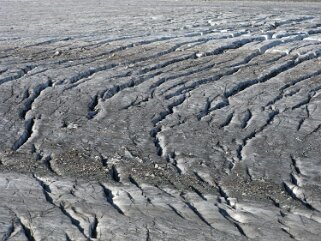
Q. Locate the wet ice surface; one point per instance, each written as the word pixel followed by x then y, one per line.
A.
pixel 166 120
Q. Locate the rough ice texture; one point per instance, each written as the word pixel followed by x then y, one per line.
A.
pixel 160 120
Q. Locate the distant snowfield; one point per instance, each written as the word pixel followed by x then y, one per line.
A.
pixel 160 120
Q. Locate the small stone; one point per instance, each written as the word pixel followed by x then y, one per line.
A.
pixel 57 53
pixel 199 55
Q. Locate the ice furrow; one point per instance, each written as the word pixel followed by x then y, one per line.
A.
pixel 175 211
pixel 47 193
pixel 303 103
pixel 228 120
pixel 235 68
pixel 26 134
pixel 73 220
pixel 199 193
pixel 109 197
pixel 35 94
pixel 90 72
pixel 92 105
pixel 247 117
pixel 198 214
pixel 9 232
pixel 27 230
pixel 270 119
pixel 297 193
pixel 263 78
pixel 21 73
pixel 155 132
pixel 291 84
pixel 226 215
